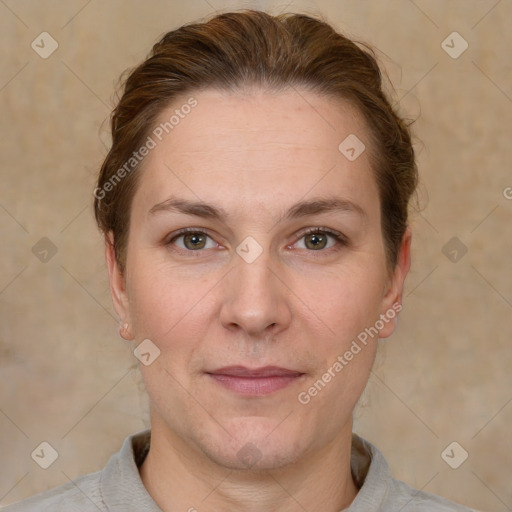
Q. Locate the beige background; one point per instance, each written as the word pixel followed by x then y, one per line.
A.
pixel 66 377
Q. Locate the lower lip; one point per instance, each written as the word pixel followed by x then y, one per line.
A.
pixel 255 386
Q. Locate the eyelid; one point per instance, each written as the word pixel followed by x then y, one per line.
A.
pixel 325 231
pixel 184 231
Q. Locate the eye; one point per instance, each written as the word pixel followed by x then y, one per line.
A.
pixel 192 240
pixel 317 239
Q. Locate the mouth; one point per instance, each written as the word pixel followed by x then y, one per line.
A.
pixel 256 381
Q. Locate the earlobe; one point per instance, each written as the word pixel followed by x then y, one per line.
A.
pixel 392 303
pixel 125 331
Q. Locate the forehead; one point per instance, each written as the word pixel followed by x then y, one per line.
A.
pixel 256 145
pixel 295 117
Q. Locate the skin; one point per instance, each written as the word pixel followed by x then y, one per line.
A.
pixel 255 154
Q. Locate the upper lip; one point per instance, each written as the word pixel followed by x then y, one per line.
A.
pixel 264 371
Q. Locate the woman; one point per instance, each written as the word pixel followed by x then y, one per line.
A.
pixel 255 211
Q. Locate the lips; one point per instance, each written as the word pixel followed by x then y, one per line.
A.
pixel 254 381
pixel 267 371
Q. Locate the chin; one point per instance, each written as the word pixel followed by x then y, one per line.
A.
pixel 256 443
pixel 250 458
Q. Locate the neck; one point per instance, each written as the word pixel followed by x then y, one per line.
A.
pixel 180 477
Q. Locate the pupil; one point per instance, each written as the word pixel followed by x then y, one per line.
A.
pixel 316 240
pixel 195 239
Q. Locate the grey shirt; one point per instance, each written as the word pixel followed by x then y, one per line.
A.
pixel 119 488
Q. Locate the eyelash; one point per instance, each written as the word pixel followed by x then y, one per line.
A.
pixel 339 237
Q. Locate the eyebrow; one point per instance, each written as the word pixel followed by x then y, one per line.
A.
pixel 298 210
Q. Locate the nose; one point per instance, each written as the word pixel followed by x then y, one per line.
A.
pixel 254 299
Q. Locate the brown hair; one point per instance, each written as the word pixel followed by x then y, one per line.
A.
pixel 244 48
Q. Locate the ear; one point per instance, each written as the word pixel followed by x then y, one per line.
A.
pixel 117 286
pixel 392 302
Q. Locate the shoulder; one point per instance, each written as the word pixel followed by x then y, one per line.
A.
pixel 82 495
pixel 408 499
pixel 117 486
pixel 379 491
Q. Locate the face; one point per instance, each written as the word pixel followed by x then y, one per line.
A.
pixel 281 270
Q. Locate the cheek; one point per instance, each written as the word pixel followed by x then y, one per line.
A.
pixel 342 316
pixel 162 301
pixel 342 303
